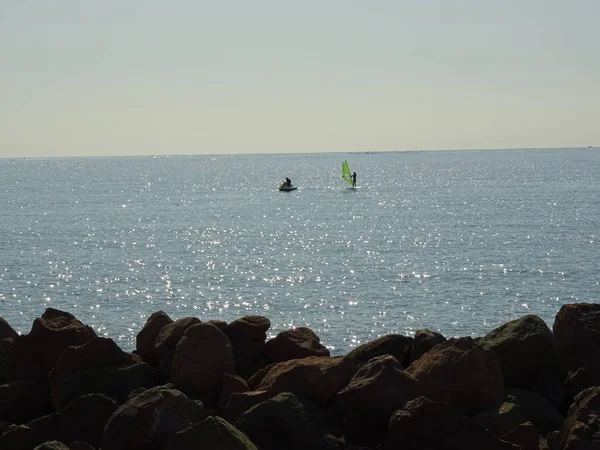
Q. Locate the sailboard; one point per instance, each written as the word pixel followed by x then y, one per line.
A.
pixel 346 175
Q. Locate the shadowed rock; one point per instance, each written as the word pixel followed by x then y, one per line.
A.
pixel 149 418
pixel 581 428
pixel 96 354
pixel 230 384
pixel 6 331
pixel 378 388
pixel 524 435
pixel 115 382
pixel 461 373
pixel 424 341
pixel 423 424
pixel 577 332
pixel 296 343
pixel 202 356
pixel 32 356
pixel 213 433
pixel 85 417
pixel 167 338
pixel 537 409
pixel 315 378
pixel 22 401
pixel 284 421
pixel 248 335
pixel 52 445
pixel 525 348
pixel 392 344
pixel 144 341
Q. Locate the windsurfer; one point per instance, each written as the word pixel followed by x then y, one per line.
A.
pixel 288 182
pixel 354 180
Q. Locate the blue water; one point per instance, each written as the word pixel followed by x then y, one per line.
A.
pixel 458 242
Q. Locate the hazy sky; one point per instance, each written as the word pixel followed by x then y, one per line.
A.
pixel 118 77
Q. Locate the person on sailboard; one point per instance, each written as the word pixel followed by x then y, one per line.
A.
pixel 288 182
pixel 354 180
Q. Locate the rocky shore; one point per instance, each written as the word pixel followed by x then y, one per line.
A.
pixel 192 385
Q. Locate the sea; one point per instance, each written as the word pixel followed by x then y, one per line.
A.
pixel 458 242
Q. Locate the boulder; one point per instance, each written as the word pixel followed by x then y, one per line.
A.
pixel 240 402
pixel 248 335
pixel 423 424
pixel 524 435
pixel 581 428
pixel 461 373
pixel 144 341
pixel 525 348
pixel 584 377
pixel 85 417
pixel 52 445
pixel 22 401
pixel 6 331
pixel 392 344
pixel 296 343
pixel 202 356
pixel 424 341
pixel 96 354
pixel 80 445
pixel 220 324
pixel 32 356
pixel 212 432
pixel 36 432
pixel 284 422
pixel 116 382
pixel 501 419
pixel 18 437
pixel 577 331
pixel 378 388
pixel 168 336
pixel 230 384
pixel 537 409
pixel 315 378
pixel 149 418
pixel 552 387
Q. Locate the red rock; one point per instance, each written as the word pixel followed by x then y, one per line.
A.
pixel 577 332
pixel 296 343
pixel 392 344
pixel 426 425
pixel 316 378
pixel 526 349
pixel 148 418
pixel 581 428
pixel 461 373
pixel 585 377
pixel 378 388
pixel 32 356
pixel 98 353
pixel 230 384
pixel 424 341
pixel 248 335
pixel 144 341
pixel 167 338
pixel 201 358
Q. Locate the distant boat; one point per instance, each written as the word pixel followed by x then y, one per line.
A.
pixel 285 187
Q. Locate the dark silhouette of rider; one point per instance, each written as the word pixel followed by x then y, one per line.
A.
pixel 354 180
pixel 288 182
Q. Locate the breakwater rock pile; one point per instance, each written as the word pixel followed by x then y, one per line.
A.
pixel 193 384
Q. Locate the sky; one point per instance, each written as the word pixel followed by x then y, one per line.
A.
pixel 148 77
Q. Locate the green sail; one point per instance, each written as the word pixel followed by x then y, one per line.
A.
pixel 346 172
